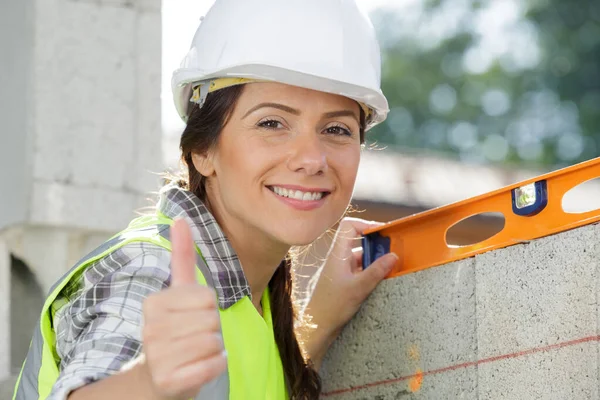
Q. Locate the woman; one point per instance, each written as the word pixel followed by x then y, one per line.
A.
pixel 277 97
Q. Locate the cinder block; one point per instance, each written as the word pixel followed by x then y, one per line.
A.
pixel 419 322
pixel 536 294
pixel 451 385
pixel 93 209
pixel 84 90
pixel 565 373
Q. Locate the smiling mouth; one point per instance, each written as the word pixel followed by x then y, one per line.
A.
pixel 298 194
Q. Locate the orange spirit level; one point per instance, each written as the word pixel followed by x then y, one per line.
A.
pixel 531 209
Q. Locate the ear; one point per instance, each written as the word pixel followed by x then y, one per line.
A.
pixel 203 163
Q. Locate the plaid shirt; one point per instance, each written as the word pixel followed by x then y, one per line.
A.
pixel 99 316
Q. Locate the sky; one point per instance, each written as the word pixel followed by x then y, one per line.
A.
pixel 180 18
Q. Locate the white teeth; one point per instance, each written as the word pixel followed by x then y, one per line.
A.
pixel 297 194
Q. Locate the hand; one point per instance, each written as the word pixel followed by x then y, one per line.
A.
pixel 181 337
pixel 342 287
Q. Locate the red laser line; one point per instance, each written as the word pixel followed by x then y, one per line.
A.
pixel 468 364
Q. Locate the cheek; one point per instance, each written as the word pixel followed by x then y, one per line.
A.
pixel 346 164
pixel 241 166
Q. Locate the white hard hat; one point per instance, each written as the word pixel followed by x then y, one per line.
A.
pixel 325 45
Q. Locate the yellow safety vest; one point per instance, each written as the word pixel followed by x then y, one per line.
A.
pixel 254 366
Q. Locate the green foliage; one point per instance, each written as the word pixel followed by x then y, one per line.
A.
pixel 493 88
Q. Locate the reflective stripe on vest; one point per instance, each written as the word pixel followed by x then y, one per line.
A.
pixel 249 342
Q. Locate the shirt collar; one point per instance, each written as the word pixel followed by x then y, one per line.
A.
pixel 222 261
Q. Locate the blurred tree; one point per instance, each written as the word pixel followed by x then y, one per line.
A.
pixel 494 80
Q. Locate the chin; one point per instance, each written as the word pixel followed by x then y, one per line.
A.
pixel 301 228
pixel 299 236
pixel 300 239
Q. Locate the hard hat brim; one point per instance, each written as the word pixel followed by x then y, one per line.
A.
pixel 184 78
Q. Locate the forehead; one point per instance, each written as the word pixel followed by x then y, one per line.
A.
pixel 293 96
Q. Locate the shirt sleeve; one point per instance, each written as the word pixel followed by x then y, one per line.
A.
pixel 98 329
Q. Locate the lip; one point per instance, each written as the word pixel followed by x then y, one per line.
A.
pixel 302 205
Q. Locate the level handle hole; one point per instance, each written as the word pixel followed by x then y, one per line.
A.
pixel 582 198
pixel 475 229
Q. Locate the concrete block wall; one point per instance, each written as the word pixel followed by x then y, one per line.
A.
pixel 516 323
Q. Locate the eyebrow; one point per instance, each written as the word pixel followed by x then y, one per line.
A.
pixel 331 114
pixel 341 113
pixel 272 105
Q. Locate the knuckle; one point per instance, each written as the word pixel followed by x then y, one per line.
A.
pixel 207 295
pixel 344 223
pixel 204 298
pixel 214 342
pixel 213 321
pixel 350 221
pixel 221 363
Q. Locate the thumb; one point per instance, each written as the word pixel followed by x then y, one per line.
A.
pixel 183 255
pixel 371 276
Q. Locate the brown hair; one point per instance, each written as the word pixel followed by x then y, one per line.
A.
pixel 201 134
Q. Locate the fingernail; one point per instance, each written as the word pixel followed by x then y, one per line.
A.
pixel 224 353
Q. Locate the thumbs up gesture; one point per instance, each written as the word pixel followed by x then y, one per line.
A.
pixel 182 339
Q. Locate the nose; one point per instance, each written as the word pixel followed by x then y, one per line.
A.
pixel 308 155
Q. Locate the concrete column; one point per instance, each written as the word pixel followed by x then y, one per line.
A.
pixel 80 106
pixel 46 252
pixel 81 110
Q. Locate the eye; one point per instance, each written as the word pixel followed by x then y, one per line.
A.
pixel 270 124
pixel 338 130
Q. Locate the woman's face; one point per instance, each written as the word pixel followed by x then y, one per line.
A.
pixel 285 163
